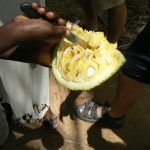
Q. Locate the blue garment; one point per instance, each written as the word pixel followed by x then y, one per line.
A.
pixel 137 55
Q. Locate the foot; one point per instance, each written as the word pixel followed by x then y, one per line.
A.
pixel 87 112
pixel 50 120
pixel 93 112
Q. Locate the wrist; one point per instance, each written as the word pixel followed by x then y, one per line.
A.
pixel 14 32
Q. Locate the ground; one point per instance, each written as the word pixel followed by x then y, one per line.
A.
pixel 74 134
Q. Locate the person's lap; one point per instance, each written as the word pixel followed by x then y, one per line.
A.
pixel 27 57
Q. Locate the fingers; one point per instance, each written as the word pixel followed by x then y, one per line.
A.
pixel 49 14
pixel 35 6
pixel 58 31
pixel 20 18
pixel 52 15
pixel 61 22
pixel 55 16
pixel 56 34
pixel 38 8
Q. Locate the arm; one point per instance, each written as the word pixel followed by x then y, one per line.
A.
pixel 23 29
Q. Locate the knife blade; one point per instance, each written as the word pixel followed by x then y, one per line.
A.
pixel 27 9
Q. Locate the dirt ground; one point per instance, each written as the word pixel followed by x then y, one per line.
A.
pixel 74 134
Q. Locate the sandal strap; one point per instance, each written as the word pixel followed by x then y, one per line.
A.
pixel 93 110
pixel 52 122
pixel 109 121
pixel 89 111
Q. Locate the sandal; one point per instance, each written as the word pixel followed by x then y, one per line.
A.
pixel 51 123
pixel 111 122
pixel 89 112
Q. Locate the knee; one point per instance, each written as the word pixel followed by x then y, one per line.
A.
pixel 122 8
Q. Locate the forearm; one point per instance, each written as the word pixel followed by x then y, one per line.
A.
pixel 8 37
pixel 23 29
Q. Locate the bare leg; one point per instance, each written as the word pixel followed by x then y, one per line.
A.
pixel 117 17
pixel 128 91
pixel 91 10
pixel 124 99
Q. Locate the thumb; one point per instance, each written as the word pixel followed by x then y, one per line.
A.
pixel 58 31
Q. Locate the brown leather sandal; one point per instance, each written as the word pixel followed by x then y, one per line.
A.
pixel 51 123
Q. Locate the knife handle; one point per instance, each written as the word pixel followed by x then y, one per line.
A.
pixel 27 9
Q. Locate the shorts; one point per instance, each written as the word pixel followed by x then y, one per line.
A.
pixel 137 65
pixel 107 4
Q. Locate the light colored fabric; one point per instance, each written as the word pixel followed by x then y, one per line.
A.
pixel 4 129
pixel 26 88
pixel 107 4
pixel 1 23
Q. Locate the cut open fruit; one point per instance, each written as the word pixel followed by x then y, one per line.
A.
pixel 83 69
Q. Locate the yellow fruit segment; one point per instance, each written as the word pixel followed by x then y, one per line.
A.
pixel 83 69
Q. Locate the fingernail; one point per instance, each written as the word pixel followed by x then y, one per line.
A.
pixel 42 10
pixel 50 14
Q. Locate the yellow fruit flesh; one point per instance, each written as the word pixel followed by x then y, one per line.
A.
pixel 82 69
